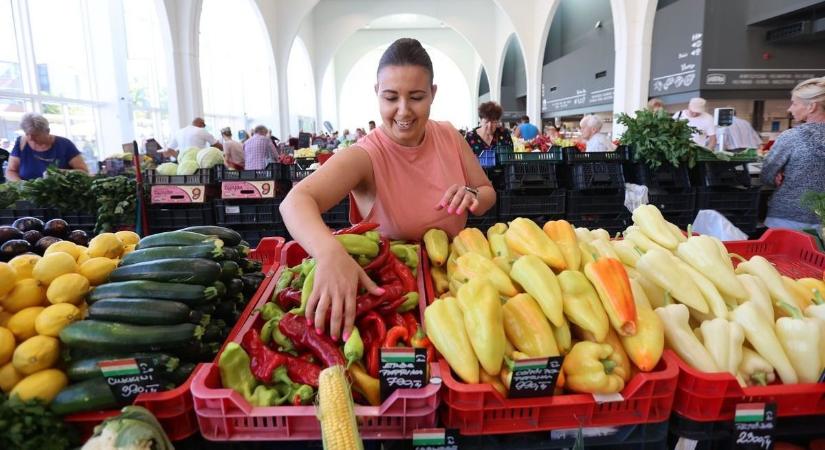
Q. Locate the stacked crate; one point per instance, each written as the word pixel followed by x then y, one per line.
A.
pixel 596 191
pixel 179 201
pixel 725 186
pixel 337 216
pixel 531 185
pixel 669 189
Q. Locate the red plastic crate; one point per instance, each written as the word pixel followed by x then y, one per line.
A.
pixel 174 408
pixel 794 253
pixel 224 415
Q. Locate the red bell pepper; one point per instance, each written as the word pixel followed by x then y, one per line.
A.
pixel 295 328
pixel 358 228
pixel 289 298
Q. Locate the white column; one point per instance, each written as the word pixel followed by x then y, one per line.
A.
pixel 186 99
pixel 633 25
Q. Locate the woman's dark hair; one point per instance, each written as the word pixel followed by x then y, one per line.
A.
pixel 489 111
pixel 406 52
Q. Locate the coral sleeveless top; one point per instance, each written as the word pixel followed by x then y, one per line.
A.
pixel 410 181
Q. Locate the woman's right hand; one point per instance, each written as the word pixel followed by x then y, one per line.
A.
pixel 337 277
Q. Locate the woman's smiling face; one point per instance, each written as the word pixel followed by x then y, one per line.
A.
pixel 405 95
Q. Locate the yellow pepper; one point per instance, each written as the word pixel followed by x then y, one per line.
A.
pixel 444 323
pixel 681 339
pixel 472 265
pixel 593 368
pixel 478 300
pixel 761 268
pixel 802 295
pixel 587 253
pixel 723 341
pixel 659 267
pixel 503 263
pixel 715 301
pixel 613 286
pixel 562 233
pixel 494 381
pixel 438 246
pixel 760 333
pixel 812 286
pixel 582 304
pixel 527 329
pixel 498 245
pixel 600 233
pixel 603 248
pixel 754 369
pixel 646 346
pixel 541 283
pixel 702 253
pixel 451 266
pixel 526 238
pixel 563 336
pixel 583 234
pixel 651 222
pixel 800 338
pixel 366 385
pixel 758 294
pixel 440 282
pixel 640 240
pixel 626 251
pixel 472 240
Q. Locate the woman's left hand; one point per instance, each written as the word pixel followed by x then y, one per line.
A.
pixel 457 200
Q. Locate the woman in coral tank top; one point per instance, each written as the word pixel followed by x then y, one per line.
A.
pixel 408 175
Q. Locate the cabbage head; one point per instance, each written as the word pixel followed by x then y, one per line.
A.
pixel 209 157
pixel 190 153
pixel 168 168
pixel 187 167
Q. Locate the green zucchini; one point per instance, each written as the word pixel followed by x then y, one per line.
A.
pixel 221 288
pixel 83 369
pixel 143 311
pixel 234 286
pixel 229 237
pixel 212 333
pixel 230 254
pixel 250 266
pixel 207 309
pixel 121 337
pixel 230 270
pixel 93 394
pixel 172 270
pixel 212 250
pixel 189 294
pixel 174 239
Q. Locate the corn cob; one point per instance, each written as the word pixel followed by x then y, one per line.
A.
pixel 339 429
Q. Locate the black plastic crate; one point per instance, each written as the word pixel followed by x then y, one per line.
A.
pixel 173 217
pixel 298 173
pixel 680 219
pixel 247 212
pixel 554 155
pixel 485 221
pixel 612 202
pixel 666 176
pixel 673 201
pixel 615 222
pixel 722 436
pixel 572 155
pixel 496 176
pixel 530 176
pixel 253 235
pixel 80 220
pixel 721 174
pixel 338 213
pixel 26 209
pixel 273 171
pixel 595 175
pixel 728 199
pixel 200 177
pixel 549 206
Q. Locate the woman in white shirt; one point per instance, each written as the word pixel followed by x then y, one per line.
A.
pixel 591 126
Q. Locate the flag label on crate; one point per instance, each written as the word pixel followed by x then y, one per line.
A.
pixel 178 194
pixel 535 377
pixel 435 439
pixel 247 189
pixel 402 368
pixel 127 378
pixel 754 425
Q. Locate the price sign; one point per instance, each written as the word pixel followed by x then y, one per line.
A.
pixel 535 377
pixel 127 378
pixel 247 189
pixel 753 425
pixel 435 439
pixel 402 368
pixel 178 194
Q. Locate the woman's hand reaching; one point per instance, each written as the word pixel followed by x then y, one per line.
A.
pixel 457 199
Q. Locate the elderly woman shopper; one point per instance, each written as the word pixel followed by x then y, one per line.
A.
pixel 38 149
pixel 796 162
pixel 596 141
pixel 490 133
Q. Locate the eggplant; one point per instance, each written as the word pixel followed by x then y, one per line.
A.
pixel 44 243
pixel 14 247
pixel 8 233
pixel 79 237
pixel 25 224
pixel 57 228
pixel 32 236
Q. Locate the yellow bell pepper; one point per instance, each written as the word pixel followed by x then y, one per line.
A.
pixel 757 293
pixel 613 286
pixel 583 234
pixel 472 265
pixel 626 251
pixel 646 346
pixel 472 240
pixel 651 222
pixel 451 266
pixel 754 369
pixel 438 246
pixel 587 253
pixel 676 232
pixel 654 293
pixel 802 295
pixel 659 266
pixel 702 253
pixel 526 238
pixel 444 323
pixel 562 233
pixel 761 268
pixel 483 320
pixel 527 329
pixel 603 249
pixel 541 283
pixel 440 282
pixel 498 245
pixel 635 235
pixel 681 339
pixel 505 264
pixel 600 233
pixel 563 336
pixel 715 301
pixel 760 333
pixel 812 286
pixel 593 368
pixel 723 341
pixel 455 285
pixel 582 304
pixel 800 338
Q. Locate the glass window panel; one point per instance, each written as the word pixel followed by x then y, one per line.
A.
pixel 54 113
pixel 61 66
pixel 10 75
pixel 145 53
pixel 11 111
pixel 82 129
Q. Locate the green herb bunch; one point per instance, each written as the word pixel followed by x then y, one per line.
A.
pixel 10 193
pixel 65 190
pixel 657 138
pixel 816 202
pixel 30 425
pixel 116 202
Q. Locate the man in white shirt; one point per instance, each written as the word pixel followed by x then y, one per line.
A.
pixel 741 135
pixel 591 127
pixel 702 121
pixel 194 135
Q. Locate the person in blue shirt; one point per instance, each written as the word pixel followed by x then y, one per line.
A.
pixel 38 149
pixel 526 130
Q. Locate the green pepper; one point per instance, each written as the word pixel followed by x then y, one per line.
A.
pixel 301 394
pixel 373 236
pixel 410 302
pixel 283 282
pixel 235 372
pixel 266 396
pixel 356 244
pixel 354 347
pixel 407 253
pixel 270 311
pixel 306 292
pixel 363 261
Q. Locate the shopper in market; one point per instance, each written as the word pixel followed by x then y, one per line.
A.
pixel 490 133
pixel 796 162
pixel 526 130
pixel 411 174
pixel 371 125
pixel 656 105
pixel 259 150
pixel 740 134
pixel 696 116
pixel 591 130
pixel 193 135
pixel 38 149
pixel 233 155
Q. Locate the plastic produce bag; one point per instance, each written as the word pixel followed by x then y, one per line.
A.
pixel 635 195
pixel 711 222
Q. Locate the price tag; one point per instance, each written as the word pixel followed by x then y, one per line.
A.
pixel 402 368
pixel 535 377
pixel 247 189
pixel 177 194
pixel 129 377
pixel 435 439
pixel 753 424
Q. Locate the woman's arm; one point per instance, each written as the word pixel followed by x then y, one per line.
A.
pixel 79 164
pixel 13 169
pixel 777 157
pixel 457 199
